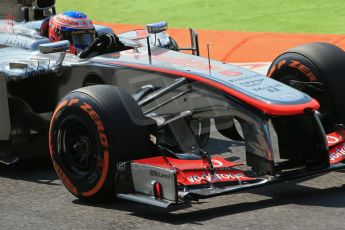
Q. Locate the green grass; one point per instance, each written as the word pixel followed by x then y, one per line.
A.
pixel 311 16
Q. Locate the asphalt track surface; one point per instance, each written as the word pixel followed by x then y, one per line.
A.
pixel 31 197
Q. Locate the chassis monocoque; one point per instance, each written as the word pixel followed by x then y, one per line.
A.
pixel 136 124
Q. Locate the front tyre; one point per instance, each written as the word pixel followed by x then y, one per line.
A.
pixel 94 129
pixel 318 70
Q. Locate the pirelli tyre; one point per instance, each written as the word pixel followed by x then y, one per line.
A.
pixel 93 130
pixel 317 69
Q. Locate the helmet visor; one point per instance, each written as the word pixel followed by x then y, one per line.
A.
pixel 82 40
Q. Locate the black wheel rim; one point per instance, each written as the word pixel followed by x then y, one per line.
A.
pixel 77 147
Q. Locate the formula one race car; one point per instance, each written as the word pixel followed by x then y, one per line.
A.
pixel 139 124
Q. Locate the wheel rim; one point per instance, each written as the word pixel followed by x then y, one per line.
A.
pixel 77 147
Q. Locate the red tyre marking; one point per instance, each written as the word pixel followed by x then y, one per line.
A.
pixel 66 181
pixel 280 64
pixel 294 64
pixel 271 71
pixel 100 183
pixel 73 101
pixel 299 66
pixel 104 141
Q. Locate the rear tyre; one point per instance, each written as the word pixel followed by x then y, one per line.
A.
pixel 318 69
pixel 93 130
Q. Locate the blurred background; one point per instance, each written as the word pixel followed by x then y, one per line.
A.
pixel 303 16
pixel 241 30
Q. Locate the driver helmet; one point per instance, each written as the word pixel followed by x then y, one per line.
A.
pixel 73 26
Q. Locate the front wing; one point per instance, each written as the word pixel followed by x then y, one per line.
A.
pixel 172 183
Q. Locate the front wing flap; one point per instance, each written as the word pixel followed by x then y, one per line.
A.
pixel 167 182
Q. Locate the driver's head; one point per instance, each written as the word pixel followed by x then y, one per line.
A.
pixel 73 26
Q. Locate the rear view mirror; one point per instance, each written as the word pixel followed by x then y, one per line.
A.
pixel 54 47
pixel 157 27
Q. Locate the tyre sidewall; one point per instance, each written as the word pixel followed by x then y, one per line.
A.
pixel 84 108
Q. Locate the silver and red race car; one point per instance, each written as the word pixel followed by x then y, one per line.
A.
pixel 139 124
